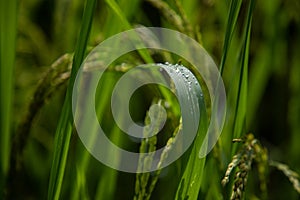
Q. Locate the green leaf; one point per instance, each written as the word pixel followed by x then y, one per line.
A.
pixel 65 125
pixel 116 8
pixel 8 23
pixel 235 6
pixel 191 180
pixel 241 98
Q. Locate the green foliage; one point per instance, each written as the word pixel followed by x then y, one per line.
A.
pixel 256 47
pixel 191 179
pixel 65 125
pixel 250 151
pixel 8 24
pixel 242 91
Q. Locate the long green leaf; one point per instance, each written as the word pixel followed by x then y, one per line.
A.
pixel 235 6
pixel 237 93
pixel 229 39
pixel 116 8
pixel 241 99
pixel 64 129
pixel 8 23
pixel 104 190
pixel 192 177
pixel 239 126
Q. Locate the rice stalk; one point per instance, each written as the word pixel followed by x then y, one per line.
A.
pixel 290 174
pixel 250 152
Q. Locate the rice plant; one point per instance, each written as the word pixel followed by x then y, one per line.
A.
pixel 45 45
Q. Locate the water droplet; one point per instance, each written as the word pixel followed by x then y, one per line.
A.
pixel 167 104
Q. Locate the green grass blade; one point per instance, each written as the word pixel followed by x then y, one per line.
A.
pixel 104 190
pixel 235 6
pixel 8 24
pixel 113 24
pixel 233 13
pixel 64 129
pixel 191 179
pixel 116 8
pixel 237 93
pixel 241 99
